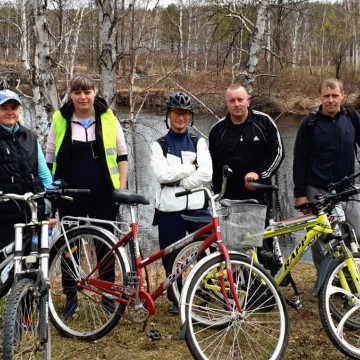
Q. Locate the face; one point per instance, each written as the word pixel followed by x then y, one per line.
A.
pixel 9 113
pixel 331 100
pixel 237 102
pixel 179 120
pixel 83 100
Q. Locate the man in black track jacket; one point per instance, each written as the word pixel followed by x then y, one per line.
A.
pixel 248 142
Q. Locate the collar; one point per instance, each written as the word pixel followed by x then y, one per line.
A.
pixel 342 110
pixel 175 134
pixel 249 119
pixel 9 130
pixel 100 107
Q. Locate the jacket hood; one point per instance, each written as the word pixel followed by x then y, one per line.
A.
pixel 100 106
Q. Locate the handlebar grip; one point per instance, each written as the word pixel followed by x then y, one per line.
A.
pixel 345 182
pixel 350 192
pixel 183 193
pixel 76 191
pixel 303 206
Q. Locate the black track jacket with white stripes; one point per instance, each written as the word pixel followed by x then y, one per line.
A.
pixel 253 146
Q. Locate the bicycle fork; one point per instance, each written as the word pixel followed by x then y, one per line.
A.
pixel 354 273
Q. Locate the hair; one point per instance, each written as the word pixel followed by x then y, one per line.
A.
pixel 332 84
pixel 21 119
pixel 81 82
pixel 235 87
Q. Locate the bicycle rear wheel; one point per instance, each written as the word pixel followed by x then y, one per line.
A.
pixel 177 259
pixel 22 323
pixel 340 310
pixel 75 311
pixel 214 327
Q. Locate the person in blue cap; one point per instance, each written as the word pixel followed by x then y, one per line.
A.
pixel 22 164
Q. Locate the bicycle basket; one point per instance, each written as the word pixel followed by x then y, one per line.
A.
pixel 242 225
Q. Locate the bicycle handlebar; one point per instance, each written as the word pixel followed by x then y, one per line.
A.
pixel 344 183
pixel 325 200
pixel 53 193
pixel 227 172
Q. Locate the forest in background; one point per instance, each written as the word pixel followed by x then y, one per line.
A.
pixel 138 51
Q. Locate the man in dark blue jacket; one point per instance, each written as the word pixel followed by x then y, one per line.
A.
pixel 324 152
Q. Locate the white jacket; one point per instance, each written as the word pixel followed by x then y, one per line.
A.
pixel 173 169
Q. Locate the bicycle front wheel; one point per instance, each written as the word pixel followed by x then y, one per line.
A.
pixel 340 309
pixel 214 326
pixel 84 313
pixel 23 326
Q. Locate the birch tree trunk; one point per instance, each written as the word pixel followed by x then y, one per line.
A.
pixel 256 46
pixel 294 42
pixel 189 40
pixel 181 38
pixel 43 80
pixel 108 61
pixel 24 39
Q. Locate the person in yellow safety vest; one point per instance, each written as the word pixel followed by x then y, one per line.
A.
pixel 86 148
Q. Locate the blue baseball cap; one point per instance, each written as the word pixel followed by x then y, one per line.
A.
pixel 6 95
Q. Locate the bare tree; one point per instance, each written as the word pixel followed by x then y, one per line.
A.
pixel 108 60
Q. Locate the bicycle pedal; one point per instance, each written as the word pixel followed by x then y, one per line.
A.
pixel 154 335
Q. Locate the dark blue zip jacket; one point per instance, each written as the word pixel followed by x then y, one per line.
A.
pixel 325 154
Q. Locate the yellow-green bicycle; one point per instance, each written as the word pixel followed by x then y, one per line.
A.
pixel 338 282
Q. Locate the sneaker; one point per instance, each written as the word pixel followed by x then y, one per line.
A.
pixel 70 309
pixel 173 309
pixel 108 305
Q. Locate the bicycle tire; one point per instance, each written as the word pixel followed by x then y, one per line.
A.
pixel 214 332
pixel 6 286
pixel 176 259
pixel 96 315
pixel 21 335
pixel 345 338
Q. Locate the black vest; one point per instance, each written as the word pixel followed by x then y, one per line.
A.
pixel 19 162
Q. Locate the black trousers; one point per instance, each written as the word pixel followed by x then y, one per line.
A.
pixel 96 205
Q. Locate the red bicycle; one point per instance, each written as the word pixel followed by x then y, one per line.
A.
pixel 236 307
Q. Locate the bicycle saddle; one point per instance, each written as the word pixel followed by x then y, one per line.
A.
pixel 128 197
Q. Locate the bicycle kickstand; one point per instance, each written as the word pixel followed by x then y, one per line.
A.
pixel 296 301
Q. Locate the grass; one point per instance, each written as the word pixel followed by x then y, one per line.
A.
pixel 128 341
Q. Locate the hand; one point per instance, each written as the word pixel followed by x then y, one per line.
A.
pixel 302 200
pixel 52 222
pixel 251 176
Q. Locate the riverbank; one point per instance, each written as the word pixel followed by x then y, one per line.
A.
pixel 215 103
pixel 292 92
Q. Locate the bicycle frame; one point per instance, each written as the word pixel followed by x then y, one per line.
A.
pixel 115 291
pixel 316 225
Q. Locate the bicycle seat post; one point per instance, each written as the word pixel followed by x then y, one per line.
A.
pixel 132 213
